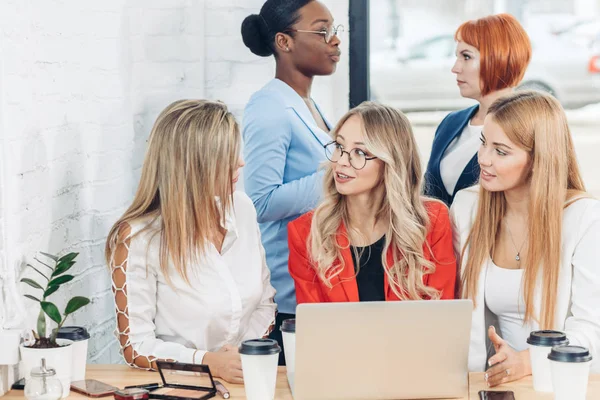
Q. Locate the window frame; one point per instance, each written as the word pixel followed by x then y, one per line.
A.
pixel 359 37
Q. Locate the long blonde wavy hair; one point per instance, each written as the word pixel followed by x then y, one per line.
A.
pixel 535 122
pixel 192 155
pixel 388 136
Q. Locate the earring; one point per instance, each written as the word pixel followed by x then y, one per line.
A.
pixel 287 49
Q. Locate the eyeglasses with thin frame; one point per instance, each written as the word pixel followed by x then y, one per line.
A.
pixel 356 157
pixel 327 34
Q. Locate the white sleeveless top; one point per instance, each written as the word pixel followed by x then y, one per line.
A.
pixel 504 298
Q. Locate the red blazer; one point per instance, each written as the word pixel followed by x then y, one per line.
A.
pixel 310 288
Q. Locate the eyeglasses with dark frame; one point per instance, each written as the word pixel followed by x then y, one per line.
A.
pixel 356 157
pixel 327 34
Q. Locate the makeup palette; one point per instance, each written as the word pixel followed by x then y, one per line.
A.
pixel 181 381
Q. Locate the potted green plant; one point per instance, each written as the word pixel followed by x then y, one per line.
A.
pixel 57 352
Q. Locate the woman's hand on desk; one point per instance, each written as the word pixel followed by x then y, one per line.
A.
pixel 507 364
pixel 225 363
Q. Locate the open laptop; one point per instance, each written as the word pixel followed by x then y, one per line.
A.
pixel 382 350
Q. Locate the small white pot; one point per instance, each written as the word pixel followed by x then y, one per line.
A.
pixel 59 358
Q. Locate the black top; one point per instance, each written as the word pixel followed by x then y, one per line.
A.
pixel 370 275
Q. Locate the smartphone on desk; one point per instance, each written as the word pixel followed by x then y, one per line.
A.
pixel 496 395
pixel 93 388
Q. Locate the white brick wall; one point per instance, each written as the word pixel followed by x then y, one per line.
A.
pixel 81 83
pixel 2 191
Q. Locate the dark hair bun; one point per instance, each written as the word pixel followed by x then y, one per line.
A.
pixel 255 35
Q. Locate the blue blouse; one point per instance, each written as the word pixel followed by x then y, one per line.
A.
pixel 283 147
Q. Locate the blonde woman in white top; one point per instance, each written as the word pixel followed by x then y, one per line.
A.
pixel 528 238
pixel 188 268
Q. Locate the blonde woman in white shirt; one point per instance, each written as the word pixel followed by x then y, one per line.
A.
pixel 188 268
pixel 528 237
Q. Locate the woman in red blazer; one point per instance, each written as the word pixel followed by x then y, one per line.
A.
pixel 373 237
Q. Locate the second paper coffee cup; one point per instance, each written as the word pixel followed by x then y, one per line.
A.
pixel 570 370
pixel 80 338
pixel 259 365
pixel 288 331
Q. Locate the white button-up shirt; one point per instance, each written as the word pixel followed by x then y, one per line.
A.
pixel 458 155
pixel 229 297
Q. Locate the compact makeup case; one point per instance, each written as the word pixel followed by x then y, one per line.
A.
pixel 181 381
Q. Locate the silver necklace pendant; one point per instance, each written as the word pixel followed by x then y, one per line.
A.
pixel 518 257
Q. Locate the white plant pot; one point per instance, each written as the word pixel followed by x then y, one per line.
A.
pixel 59 358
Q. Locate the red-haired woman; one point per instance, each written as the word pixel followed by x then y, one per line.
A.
pixel 492 54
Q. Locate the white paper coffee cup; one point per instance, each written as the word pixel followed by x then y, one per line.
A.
pixel 259 366
pixel 79 360
pixel 288 332
pixel 80 338
pixel 570 370
pixel 540 344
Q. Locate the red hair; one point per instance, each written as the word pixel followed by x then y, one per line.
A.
pixel 504 48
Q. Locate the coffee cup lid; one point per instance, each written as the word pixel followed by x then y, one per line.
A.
pixel 260 347
pixel 74 333
pixel 547 338
pixel 572 354
pixel 288 325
